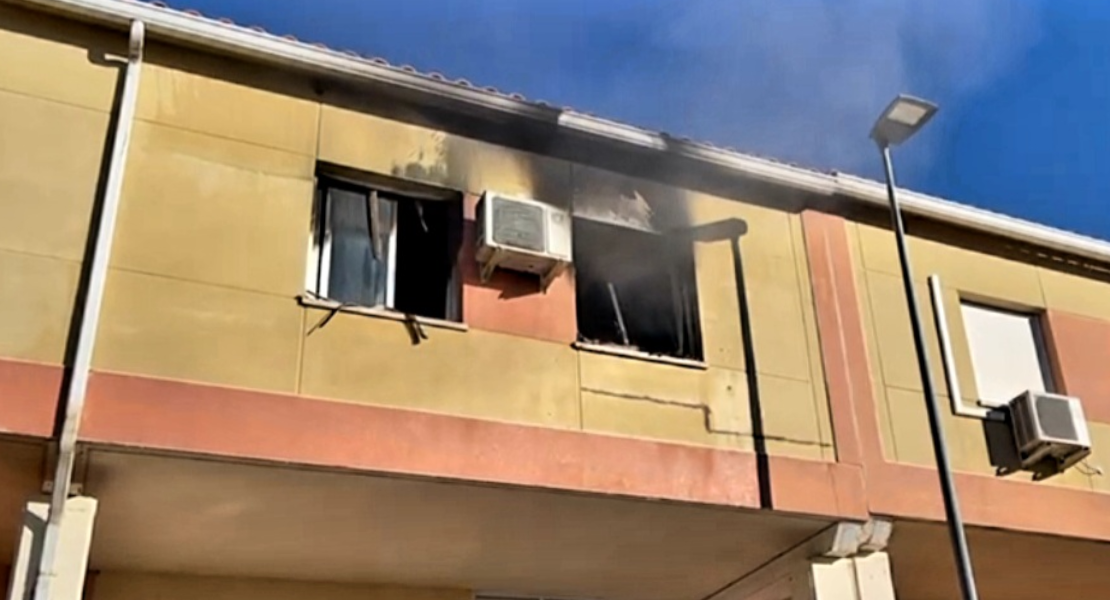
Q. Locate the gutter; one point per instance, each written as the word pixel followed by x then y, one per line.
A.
pixel 242 42
pixel 193 30
pixel 977 219
pixel 90 314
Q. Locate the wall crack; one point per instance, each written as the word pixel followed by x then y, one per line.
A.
pixel 707 415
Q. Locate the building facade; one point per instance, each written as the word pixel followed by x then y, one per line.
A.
pixel 302 384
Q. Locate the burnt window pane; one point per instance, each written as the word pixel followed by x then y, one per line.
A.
pixel 636 289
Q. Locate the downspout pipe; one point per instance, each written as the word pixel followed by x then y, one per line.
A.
pixel 90 312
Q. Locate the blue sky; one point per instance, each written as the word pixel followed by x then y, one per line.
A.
pixel 1024 85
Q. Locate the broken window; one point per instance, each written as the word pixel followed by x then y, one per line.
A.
pixel 636 289
pixel 378 248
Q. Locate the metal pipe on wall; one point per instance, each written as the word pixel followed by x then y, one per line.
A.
pixel 90 312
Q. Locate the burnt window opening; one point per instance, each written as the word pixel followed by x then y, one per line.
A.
pixel 636 289
pixel 381 249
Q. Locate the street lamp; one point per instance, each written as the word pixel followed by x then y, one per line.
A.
pixel 903 117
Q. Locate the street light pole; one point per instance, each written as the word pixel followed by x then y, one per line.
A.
pixel 940 444
pixel 902 119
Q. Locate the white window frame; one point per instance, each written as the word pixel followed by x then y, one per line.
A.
pixel 980 410
pixel 320 251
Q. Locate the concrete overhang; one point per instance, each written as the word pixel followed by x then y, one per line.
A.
pixel 200 516
pixel 1008 565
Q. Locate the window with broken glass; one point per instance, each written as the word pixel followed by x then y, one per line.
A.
pixel 636 289
pixel 378 248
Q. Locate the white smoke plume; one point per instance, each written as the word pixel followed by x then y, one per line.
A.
pixel 800 80
pixel 804 80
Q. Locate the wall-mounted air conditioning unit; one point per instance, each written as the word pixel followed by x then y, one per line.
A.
pixel 520 234
pixel 1049 426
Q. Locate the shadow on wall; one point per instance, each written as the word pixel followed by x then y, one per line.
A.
pixel 111 60
pixel 733 230
pixel 104 50
pixel 755 406
pixel 1002 450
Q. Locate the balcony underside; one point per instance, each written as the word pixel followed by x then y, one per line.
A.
pixel 189 515
pixel 1008 565
pixel 201 516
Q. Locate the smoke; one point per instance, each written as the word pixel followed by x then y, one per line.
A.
pixel 804 80
pixel 800 80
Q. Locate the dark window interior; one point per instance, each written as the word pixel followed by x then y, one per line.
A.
pixel 636 289
pixel 427 247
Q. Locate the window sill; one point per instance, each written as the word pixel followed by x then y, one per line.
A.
pixel 687 363
pixel 380 313
pixel 978 411
pixel 987 411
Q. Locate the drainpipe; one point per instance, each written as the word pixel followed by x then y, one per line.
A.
pixel 90 313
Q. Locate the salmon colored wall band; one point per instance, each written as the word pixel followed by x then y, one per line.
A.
pixel 29 394
pixel 843 352
pixel 513 303
pixel 909 491
pixel 171 415
pixel 1080 351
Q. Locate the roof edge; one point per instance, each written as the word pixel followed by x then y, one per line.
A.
pixel 257 45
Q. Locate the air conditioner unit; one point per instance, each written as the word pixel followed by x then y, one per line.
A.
pixel 1049 426
pixel 524 235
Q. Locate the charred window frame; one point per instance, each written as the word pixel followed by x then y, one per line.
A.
pixel 377 247
pixel 636 289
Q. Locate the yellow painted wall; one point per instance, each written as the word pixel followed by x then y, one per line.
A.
pixel 1100 455
pixel 651 400
pixel 472 373
pixel 55 95
pixel 213 227
pixel 211 248
pixel 123 585
pixel 353 138
pixel 964 274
